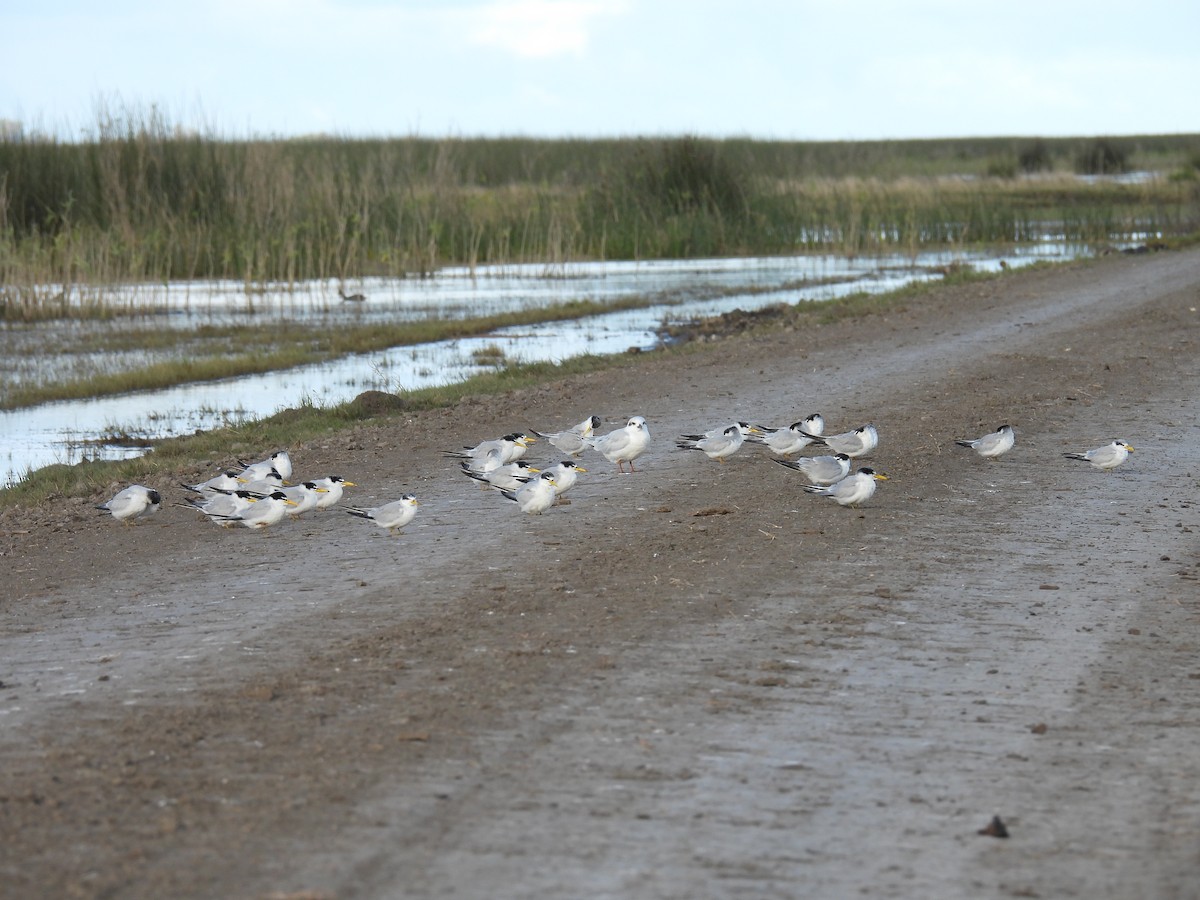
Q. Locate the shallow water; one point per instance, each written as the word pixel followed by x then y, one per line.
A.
pixel 69 432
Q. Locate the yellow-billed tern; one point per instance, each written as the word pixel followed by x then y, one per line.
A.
pixel 535 497
pixel 1107 457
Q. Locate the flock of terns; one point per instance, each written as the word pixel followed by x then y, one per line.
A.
pixel 258 494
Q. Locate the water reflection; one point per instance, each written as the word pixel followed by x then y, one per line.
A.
pixel 69 432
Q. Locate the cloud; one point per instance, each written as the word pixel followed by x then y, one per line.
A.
pixel 537 29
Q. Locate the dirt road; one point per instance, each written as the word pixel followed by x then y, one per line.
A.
pixel 694 681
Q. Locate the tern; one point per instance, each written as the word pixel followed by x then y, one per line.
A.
pixel 790 440
pixel 851 490
pixel 510 448
pixel 227 480
pixel 536 497
pixel 268 483
pixel 333 485
pixel 223 506
pixel 305 495
pixel 508 477
pixel 573 440
pixel 1107 457
pixel 717 445
pixel 132 503
pixel 565 473
pixel 992 445
pixel 263 514
pixel 392 516
pixel 279 461
pixel 820 469
pixel 859 442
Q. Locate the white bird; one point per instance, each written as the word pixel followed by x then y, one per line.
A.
pixel 508 477
pixel 491 461
pixel 859 442
pixel 511 447
pixel 623 445
pixel 223 506
pixel 565 473
pixel 1107 457
pixel 790 440
pixel 333 485
pixel 572 441
pixel 744 427
pixel 851 490
pixel 227 481
pixel 992 445
pixel 820 469
pixel 134 502
pixel 264 513
pixel 305 495
pixel 392 516
pixel 280 461
pixel 267 484
pixel 717 445
pixel 537 496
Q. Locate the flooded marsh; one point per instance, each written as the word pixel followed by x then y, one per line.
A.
pixel 193 325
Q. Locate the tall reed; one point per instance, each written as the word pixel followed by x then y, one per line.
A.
pixel 139 200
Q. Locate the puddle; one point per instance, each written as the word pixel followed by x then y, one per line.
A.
pixel 69 432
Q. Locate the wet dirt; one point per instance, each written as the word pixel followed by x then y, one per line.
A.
pixel 696 680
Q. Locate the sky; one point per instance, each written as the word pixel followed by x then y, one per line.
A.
pixel 772 70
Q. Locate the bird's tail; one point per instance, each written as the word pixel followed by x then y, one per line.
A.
pixel 1075 456
pixel 355 511
pixel 963 443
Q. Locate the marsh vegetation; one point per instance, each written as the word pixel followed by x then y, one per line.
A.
pixel 137 200
pixel 97 234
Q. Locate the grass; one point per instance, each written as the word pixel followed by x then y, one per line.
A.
pixel 139 201
pixel 489 355
pixel 173 457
